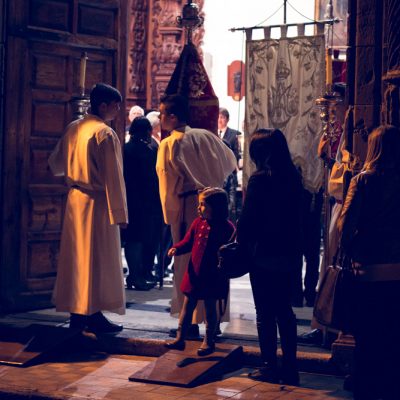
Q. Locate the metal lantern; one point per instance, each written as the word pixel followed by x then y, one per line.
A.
pixel 190 19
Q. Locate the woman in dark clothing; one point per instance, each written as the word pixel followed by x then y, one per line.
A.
pixel 270 228
pixel 144 208
pixel 370 234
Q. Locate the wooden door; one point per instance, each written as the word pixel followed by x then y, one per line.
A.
pixel 45 40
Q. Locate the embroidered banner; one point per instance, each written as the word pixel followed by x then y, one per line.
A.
pixel 283 79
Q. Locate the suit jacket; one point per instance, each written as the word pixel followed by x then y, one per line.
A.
pixel 231 137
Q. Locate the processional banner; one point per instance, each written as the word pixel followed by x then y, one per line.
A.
pixel 284 77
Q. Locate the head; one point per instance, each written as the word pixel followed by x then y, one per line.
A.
pixel 134 112
pixel 213 204
pixel 105 101
pixel 223 118
pixel 154 118
pixel 140 128
pixel 383 149
pixel 269 151
pixel 174 111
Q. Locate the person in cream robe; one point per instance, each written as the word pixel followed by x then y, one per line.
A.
pixel 189 159
pixel 89 275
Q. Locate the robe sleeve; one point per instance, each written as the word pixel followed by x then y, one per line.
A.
pixel 56 160
pixel 111 167
pixel 170 181
pixel 185 245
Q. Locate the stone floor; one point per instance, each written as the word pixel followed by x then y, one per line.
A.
pixel 101 376
pixel 98 375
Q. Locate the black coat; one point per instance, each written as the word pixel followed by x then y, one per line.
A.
pixel 271 215
pixel 141 186
pixel 231 137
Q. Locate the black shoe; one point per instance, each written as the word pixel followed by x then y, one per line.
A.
pixel 98 323
pixel 265 374
pixel 205 351
pixel 315 336
pixel 175 345
pixel 78 321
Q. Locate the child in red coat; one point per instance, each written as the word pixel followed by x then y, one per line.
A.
pixel 202 281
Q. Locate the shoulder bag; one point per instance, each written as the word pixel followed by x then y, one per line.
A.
pixel 234 260
pixel 333 302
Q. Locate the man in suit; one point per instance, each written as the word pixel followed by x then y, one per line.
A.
pixel 230 137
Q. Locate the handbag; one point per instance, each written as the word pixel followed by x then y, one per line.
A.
pixel 332 306
pixel 233 259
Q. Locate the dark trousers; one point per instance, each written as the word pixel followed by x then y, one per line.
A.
pixel 140 252
pixel 272 299
pixel 151 243
pixel 311 245
pixel 377 336
pixel 134 259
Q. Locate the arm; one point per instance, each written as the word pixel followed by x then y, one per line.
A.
pixel 111 167
pixel 185 245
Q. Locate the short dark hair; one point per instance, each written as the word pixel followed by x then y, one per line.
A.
pixel 223 111
pixel 177 105
pixel 140 128
pixel 103 93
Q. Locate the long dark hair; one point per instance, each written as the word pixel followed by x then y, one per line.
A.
pixel 383 149
pixel 270 152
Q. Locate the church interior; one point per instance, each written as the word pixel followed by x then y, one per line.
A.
pixel 53 51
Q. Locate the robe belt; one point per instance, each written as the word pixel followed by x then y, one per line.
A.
pixel 89 192
pixel 188 193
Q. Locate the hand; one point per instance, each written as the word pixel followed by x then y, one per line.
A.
pixel 171 252
pixel 323 147
pixel 123 226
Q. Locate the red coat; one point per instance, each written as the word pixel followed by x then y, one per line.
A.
pixel 203 239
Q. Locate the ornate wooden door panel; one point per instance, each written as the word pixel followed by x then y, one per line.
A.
pixel 45 39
